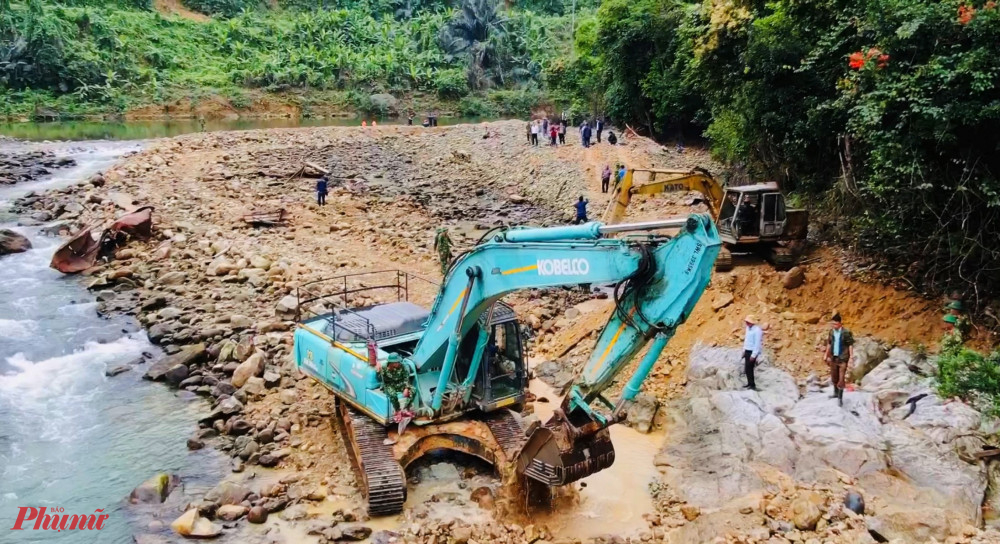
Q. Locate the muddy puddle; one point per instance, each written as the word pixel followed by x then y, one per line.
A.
pixel 613 500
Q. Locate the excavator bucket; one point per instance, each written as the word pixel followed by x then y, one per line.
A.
pixel 550 456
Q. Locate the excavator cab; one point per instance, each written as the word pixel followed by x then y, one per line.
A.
pixel 752 213
pixel 501 379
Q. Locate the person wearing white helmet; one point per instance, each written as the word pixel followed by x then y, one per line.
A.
pixel 753 343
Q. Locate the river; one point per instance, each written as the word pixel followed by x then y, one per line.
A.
pixel 70 437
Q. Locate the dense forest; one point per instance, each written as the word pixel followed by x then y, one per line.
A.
pixel 885 113
pixel 91 56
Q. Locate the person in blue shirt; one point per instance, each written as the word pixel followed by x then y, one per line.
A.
pixel 321 191
pixel 581 210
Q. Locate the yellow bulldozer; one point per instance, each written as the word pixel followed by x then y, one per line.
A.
pixel 750 218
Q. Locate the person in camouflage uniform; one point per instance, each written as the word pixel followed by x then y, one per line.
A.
pixel 839 354
pixel 955 317
pixel 442 244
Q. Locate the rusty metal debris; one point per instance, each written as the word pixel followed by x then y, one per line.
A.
pixel 266 218
pixel 84 250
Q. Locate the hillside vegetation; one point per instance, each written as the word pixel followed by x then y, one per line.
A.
pixel 89 56
pixel 883 113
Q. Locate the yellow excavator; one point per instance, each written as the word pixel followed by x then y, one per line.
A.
pixel 750 218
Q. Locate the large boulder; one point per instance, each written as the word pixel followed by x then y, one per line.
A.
pixel 168 367
pixel 931 465
pixel 12 242
pixel 192 525
pixel 257 514
pixel 793 278
pixel 154 490
pixel 805 513
pixel 914 523
pixel 253 366
pixel 227 493
pixel 172 278
pixel 287 307
pixel 894 373
pixel 847 439
pixel 230 512
pixel 642 411
pixel 868 353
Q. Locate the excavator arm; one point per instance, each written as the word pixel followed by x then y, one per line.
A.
pixel 661 181
pixel 657 282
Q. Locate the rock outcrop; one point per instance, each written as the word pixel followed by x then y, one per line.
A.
pixel 725 443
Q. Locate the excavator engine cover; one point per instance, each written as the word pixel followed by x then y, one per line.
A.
pixel 552 458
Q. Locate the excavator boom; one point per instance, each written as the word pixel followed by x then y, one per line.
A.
pixel 650 305
pixel 660 181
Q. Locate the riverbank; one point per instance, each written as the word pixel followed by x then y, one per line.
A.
pixel 211 292
pixel 255 105
pixel 74 438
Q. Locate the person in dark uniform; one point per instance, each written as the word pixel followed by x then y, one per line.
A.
pixel 581 211
pixel 321 190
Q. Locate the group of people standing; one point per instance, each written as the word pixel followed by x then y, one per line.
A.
pixel 838 354
pixel 555 132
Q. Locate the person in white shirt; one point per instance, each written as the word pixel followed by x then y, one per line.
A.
pixel 753 342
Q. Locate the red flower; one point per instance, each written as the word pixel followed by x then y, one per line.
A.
pixel 872 53
pixel 965 14
pixel 883 61
pixel 857 60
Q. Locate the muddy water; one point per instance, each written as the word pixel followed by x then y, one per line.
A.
pixel 613 500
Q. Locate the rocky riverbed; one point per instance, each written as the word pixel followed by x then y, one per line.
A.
pixel 217 295
pixel 25 165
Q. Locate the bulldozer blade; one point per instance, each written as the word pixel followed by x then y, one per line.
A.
pixel 551 457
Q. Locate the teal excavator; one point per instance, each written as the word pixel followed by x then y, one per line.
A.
pixel 455 373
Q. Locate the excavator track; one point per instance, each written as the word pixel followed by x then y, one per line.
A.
pixel 507 431
pixel 383 483
pixel 724 262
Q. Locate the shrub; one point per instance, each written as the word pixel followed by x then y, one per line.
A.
pixel 223 8
pixel 451 83
pixel 966 373
pixel 515 102
pixel 475 106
